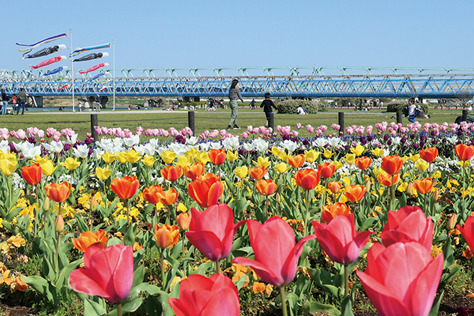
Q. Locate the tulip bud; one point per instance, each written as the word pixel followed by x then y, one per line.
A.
pixel 59 223
pixel 46 204
pixel 451 221
pixel 94 204
pixel 367 185
pixel 410 188
pixel 184 219
pixel 436 195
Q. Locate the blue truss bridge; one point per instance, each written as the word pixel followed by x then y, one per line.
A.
pixel 309 82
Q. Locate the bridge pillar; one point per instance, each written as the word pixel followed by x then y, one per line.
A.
pixel 271 121
pixel 191 122
pixel 94 122
pixel 399 117
pixel 341 121
pixel 464 115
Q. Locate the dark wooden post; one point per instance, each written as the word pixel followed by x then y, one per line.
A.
pixel 341 121
pixel 464 115
pixel 94 122
pixel 271 120
pixel 399 116
pixel 191 121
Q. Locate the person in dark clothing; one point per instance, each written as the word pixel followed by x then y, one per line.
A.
pixel 234 96
pixel 267 106
pixel 5 99
pixel 22 98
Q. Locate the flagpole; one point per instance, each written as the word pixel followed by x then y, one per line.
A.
pixel 72 72
pixel 113 43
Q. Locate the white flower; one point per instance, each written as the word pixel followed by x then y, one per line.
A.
pixel 81 151
pixel 71 140
pixel 192 140
pixel 320 142
pixel 215 145
pixel 231 143
pixel 132 140
pixel 260 144
pixel 289 145
pixel 29 150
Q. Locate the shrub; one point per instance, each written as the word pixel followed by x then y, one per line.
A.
pixel 403 106
pixel 290 106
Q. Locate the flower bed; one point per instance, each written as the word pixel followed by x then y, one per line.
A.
pixel 251 223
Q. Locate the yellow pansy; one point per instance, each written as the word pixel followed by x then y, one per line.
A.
pixel 421 165
pixel 7 167
pixel 108 157
pixel 103 173
pixel 377 152
pixel 350 158
pixel 328 153
pixel 148 160
pixel 122 157
pixel 402 186
pixel 282 167
pixel 414 158
pixel 241 172
pixel 464 164
pixel 168 156
pixel 132 156
pixel 232 156
pixel 358 150
pixel 183 161
pixel 202 158
pixel 406 174
pixel 311 155
pixel 71 163
pixel 437 174
pixel 262 162
pixel 48 168
pixel 337 164
pixel 182 207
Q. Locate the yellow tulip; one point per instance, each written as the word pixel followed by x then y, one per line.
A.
pixel 148 161
pixel 402 186
pixel 262 162
pixel 71 163
pixel 405 159
pixel 241 172
pixel 337 164
pixel 346 181
pixel 202 158
pixel 358 150
pixel 232 156
pixel 421 165
pixel 276 151
pixel 350 158
pixel 183 161
pixel 282 167
pixel 9 156
pixel 132 156
pixel 122 157
pixel 108 157
pixel 48 168
pixel 41 160
pixel 192 153
pixel 328 153
pixel 283 156
pixel 377 152
pixel 311 155
pixel 414 158
pixel 168 156
pixel 103 173
pixel 7 167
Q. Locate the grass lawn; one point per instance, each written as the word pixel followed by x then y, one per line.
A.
pixel 80 122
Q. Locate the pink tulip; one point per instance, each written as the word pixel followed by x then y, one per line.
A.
pixel 468 231
pixel 401 279
pixel 107 273
pixel 276 254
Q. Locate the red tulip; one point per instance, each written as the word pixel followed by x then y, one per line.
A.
pixel 468 231
pixel 339 238
pixel 308 179
pixel 266 187
pixel 276 254
pixel 388 180
pixel 212 231
pixel 126 187
pixel 258 172
pixel 184 219
pixel 326 170
pixel 363 162
pixel 406 225
pixel 464 152
pixel 207 190
pixel 31 174
pixel 423 186
pixel 355 192
pixel 194 171
pixel 172 173
pixel 169 197
pixel 88 238
pixel 332 210
pixel 401 279
pixel 429 154
pixel 296 161
pixel 107 273
pixel 334 186
pixel 201 296
pixel 392 164
pixel 152 194
pixel 58 192
pixel 166 236
pixel 217 156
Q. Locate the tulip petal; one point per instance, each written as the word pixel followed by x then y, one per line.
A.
pixel 253 227
pixel 224 302
pixel 263 272
pixel 123 274
pixel 352 250
pixel 288 270
pixel 81 281
pixel 207 243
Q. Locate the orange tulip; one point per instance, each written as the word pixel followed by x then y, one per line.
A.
pixel 58 192
pixel 363 162
pixel 184 219
pixel 31 173
pixel 388 180
pixel 332 210
pixel 296 161
pixel 464 152
pixel 152 194
pixel 308 179
pixel 266 187
pixel 207 190
pixel 423 186
pixel 355 192
pixel 166 236
pixel 258 172
pixel 326 170
pixel 88 238
pixel 172 173
pixel 217 156
pixel 169 197
pixel 429 154
pixel 392 164
pixel 194 171
pixel 334 186
pixel 126 187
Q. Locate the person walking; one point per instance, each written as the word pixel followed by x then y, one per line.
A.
pixel 267 106
pixel 5 100
pixel 412 110
pixel 14 103
pixel 234 96
pixel 21 97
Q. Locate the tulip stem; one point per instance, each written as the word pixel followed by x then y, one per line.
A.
pixel 128 214
pixel 346 280
pixel 218 267
pixel 163 268
pixel 392 196
pixel 56 262
pixel 119 309
pixel 307 214
pixel 284 312
pixel 266 205
pixel 425 209
pixel 463 191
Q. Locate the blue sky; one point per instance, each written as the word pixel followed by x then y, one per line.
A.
pixel 182 34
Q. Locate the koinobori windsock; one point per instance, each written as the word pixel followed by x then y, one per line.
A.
pixel 45 51
pixel 85 49
pixel 94 68
pixel 55 71
pixel 30 47
pixel 98 76
pixel 49 61
pixel 91 56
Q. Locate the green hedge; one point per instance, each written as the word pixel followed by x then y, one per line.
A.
pixel 394 107
pixel 290 106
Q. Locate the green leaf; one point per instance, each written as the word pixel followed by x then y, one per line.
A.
pixel 138 276
pixel 66 271
pixel 145 287
pixel 240 283
pixel 93 308
pixel 129 238
pixel 316 307
pixel 346 308
pixel 128 306
pixel 114 241
pixel 81 224
pixel 39 284
pixel 435 307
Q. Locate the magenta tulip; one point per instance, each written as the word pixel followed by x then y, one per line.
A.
pixel 468 231
pixel 212 231
pixel 408 224
pixel 276 254
pixel 108 273
pixel 201 296
pixel 340 239
pixel 401 279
